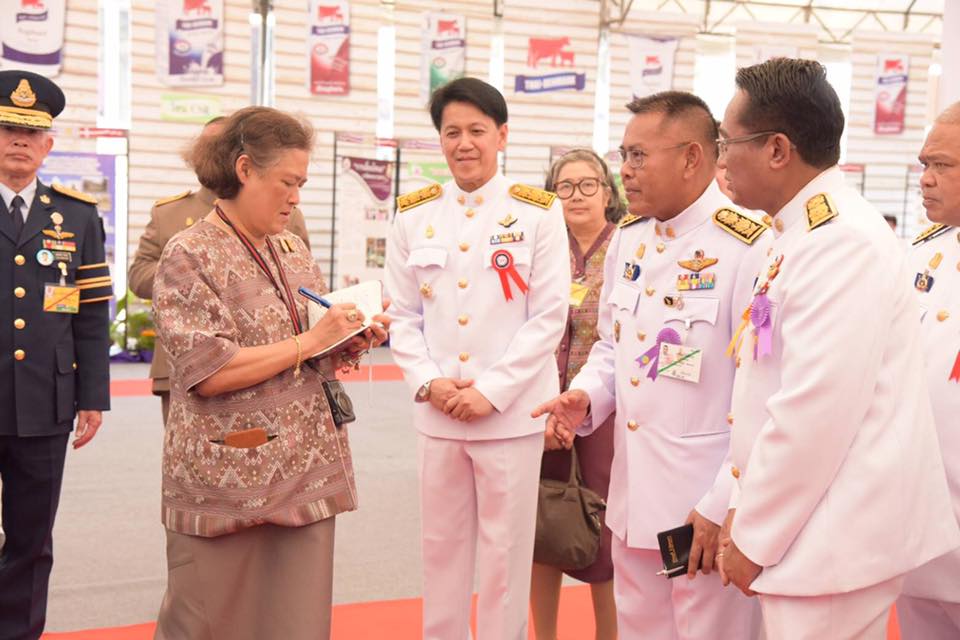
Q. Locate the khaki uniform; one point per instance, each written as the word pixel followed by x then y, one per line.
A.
pixel 168 217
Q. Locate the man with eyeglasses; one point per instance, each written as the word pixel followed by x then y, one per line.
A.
pixel 673 270
pixel 929 607
pixel 839 486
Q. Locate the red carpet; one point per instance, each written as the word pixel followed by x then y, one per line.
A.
pixel 381 373
pixel 400 620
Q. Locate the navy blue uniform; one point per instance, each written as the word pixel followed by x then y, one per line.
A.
pixel 51 365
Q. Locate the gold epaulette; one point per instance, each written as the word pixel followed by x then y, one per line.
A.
pixel 930 233
pixel 820 209
pixel 740 226
pixel 418 197
pixel 532 195
pixel 168 200
pixel 73 193
pixel 629 219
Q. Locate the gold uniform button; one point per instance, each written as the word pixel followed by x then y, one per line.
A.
pixel 19 354
pixel 730 418
pixel 735 472
pixel 942 315
pixel 462 283
pixel 768 220
pixel 778 225
pixel 464 246
pixel 470 213
pixel 463 320
pixel 661 247
pixel 641 336
pixel 651 291
pixel 670 233
pixel 19 260
pixel 632 425
pixel 479 200
pixel 461 199
pixel 19 292
pixel 635 381
pixel 74 366
pixel 464 357
pixel 19 323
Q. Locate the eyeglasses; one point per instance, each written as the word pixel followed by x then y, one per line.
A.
pixel 637 157
pixel 722 143
pixel 587 186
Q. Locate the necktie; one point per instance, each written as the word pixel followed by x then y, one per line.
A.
pixel 15 207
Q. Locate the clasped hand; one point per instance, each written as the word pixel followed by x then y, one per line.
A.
pixel 458 399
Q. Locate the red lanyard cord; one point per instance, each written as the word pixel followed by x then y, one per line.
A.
pixel 252 250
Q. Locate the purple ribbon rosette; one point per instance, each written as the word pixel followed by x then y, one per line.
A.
pixel 652 355
pixel 762 326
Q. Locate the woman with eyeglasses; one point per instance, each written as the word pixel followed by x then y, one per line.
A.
pixel 591 207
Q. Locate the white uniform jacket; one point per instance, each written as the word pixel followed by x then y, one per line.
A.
pixel 450 314
pixel 935 273
pixel 840 482
pixel 671 436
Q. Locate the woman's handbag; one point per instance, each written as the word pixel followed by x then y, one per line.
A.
pixel 568 522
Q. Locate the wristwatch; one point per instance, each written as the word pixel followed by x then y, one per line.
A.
pixel 423 393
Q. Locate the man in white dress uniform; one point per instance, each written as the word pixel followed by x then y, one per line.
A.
pixel 479 276
pixel 840 489
pixel 929 608
pixel 673 271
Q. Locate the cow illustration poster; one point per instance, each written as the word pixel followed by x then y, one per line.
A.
pixel 328 44
pixel 32 35
pixel 551 66
pixel 190 42
pixel 651 64
pixel 891 93
pixel 443 51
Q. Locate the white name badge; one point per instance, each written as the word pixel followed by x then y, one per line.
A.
pixel 680 362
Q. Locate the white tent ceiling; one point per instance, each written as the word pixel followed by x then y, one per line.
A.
pixel 837 19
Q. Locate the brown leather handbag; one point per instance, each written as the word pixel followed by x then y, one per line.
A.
pixel 568 521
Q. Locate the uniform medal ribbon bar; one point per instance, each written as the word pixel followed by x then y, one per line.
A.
pixel 502 261
pixel 652 355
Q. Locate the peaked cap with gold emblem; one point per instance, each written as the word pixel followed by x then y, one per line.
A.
pixel 29 100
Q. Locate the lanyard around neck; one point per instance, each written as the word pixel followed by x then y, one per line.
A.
pixel 252 250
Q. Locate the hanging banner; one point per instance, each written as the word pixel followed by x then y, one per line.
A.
pixel 549 53
pixel 891 93
pixel 368 186
pixel 328 46
pixel 651 64
pixel 94 174
pixel 190 42
pixel 32 35
pixel 443 51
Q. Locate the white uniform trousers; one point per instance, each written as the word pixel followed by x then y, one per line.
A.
pixel 654 607
pixel 478 498
pixel 856 615
pixel 925 619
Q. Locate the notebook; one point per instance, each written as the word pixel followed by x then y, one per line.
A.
pixel 368 296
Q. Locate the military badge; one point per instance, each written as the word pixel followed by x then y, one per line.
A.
pixel 642 249
pixel 429 232
pixel 820 209
pixel 507 222
pixel 923 282
pixel 23 96
pixel 45 257
pixel 696 281
pixel 506 238
pixel 44 198
pixel 631 271
pixel 699 262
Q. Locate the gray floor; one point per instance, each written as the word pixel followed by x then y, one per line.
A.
pixel 109 544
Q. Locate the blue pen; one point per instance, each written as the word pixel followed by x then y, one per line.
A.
pixel 307 293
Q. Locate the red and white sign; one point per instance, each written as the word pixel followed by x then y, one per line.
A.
pixel 328 44
pixel 890 108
